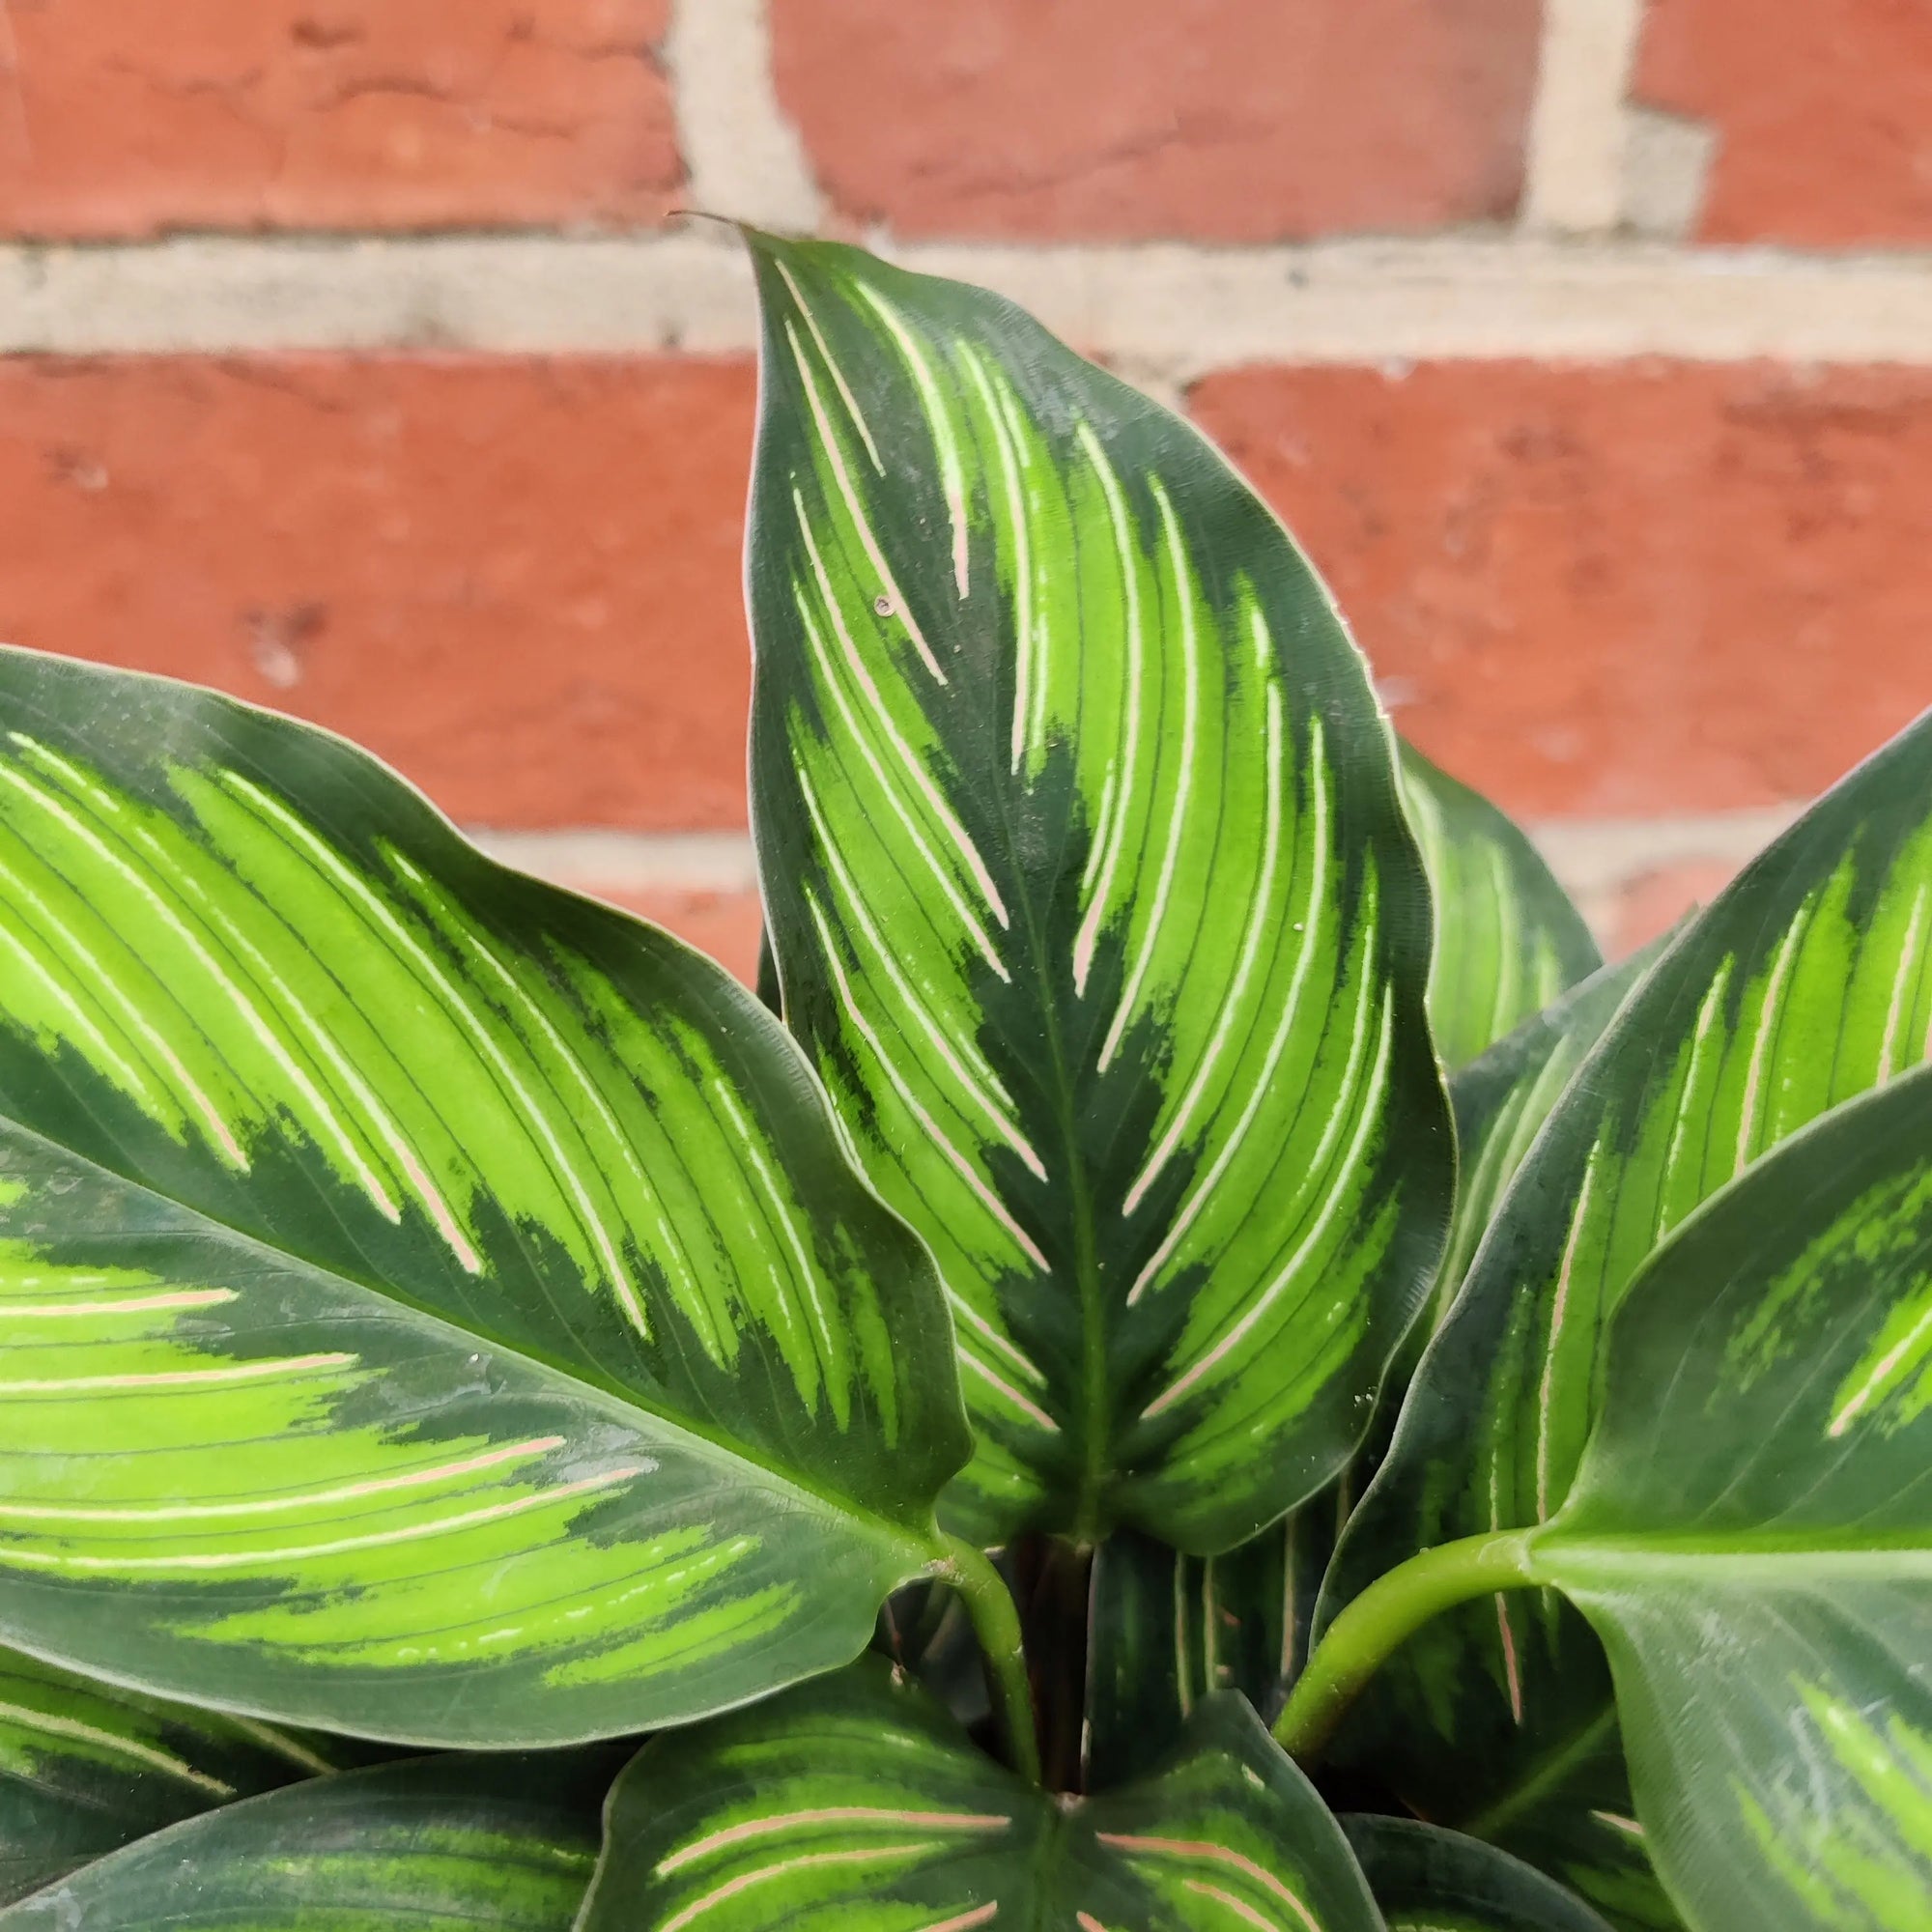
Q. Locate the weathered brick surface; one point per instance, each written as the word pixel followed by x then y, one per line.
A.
pixel 1823 113
pixel 1615 590
pixel 123 116
pixel 1217 120
pixel 518 580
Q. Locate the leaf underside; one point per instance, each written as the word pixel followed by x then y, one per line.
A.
pixel 1092 902
pixel 431 1305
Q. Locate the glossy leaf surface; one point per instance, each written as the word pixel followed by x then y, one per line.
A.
pixel 85 1768
pixel 854 1805
pixel 1807 981
pixel 1508 940
pixel 1503 1098
pixel 1092 902
pixel 1751 1532
pixel 430 1304
pixel 505 1844
pixel 1429 1880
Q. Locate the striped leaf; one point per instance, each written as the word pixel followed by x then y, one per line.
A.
pixel 1591 1841
pixel 1751 1532
pixel 1508 940
pixel 498 1845
pixel 1168 1630
pixel 854 1805
pixel 1092 902
pixel 431 1305
pixel 1429 1880
pixel 1501 1098
pixel 1807 981
pixel 85 1768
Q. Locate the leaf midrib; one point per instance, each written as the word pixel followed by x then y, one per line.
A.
pixel 1569 1561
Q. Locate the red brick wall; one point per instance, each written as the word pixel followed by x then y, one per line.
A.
pixel 1626 510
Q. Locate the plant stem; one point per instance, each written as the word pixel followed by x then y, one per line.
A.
pixel 996 1622
pixel 1388 1612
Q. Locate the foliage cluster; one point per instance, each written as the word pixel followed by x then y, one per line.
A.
pixel 1195 1360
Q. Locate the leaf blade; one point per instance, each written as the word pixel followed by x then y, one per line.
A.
pixel 1508 939
pixel 312 1054
pixel 1006 617
pixel 1803 985
pixel 85 1768
pixel 1797 1516
pixel 504 1843
pixel 855 1800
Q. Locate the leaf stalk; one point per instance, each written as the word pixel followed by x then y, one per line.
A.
pixel 1384 1616
pixel 996 1622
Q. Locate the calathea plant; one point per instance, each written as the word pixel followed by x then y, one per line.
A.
pixel 497 1426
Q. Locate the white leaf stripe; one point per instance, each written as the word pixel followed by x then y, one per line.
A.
pixel 510 1455
pixel 829 441
pixel 1134 677
pixel 141 1030
pixel 976 1081
pixel 833 369
pixel 1364 1118
pixel 729 1835
pixel 283 1555
pixel 904 753
pixel 116 1744
pixel 741 1883
pixel 988 1198
pixel 1251 943
pixel 225 981
pixel 940 421
pixel 1183 783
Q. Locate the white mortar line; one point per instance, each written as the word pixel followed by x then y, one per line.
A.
pixel 627 862
pixel 1574 175
pixel 742 156
pixel 1174 311
pixel 1593 857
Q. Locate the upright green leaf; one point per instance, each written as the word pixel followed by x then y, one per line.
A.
pixel 1591 1841
pixel 1807 981
pixel 85 1768
pixel 431 1304
pixel 853 1805
pixel 1092 902
pixel 1503 1098
pixel 1751 1532
pixel 426 1846
pixel 1429 1880
pixel 1508 940
pixel 1168 1630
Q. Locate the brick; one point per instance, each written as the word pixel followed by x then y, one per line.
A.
pixel 1652 900
pixel 123 118
pixel 1823 114
pixel 1217 120
pixel 723 925
pixel 518 580
pixel 1621 589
